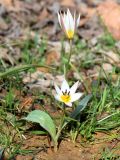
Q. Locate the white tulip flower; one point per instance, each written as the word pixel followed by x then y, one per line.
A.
pixel 67 94
pixel 68 23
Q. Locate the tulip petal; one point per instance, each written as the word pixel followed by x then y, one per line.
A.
pixel 74 21
pixel 78 20
pixel 57 97
pixel 65 86
pixel 74 88
pixel 69 104
pixel 76 96
pixel 63 24
pixel 57 89
pixel 71 20
pixel 66 22
pixel 59 19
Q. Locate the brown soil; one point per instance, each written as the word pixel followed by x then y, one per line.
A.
pixel 69 150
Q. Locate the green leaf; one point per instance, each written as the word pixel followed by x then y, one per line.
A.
pixel 81 106
pixel 1 154
pixel 39 132
pixel 44 120
pixel 14 70
pixel 76 112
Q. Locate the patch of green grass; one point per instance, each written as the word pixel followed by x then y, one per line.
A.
pixel 107 40
pixel 107 154
pixel 33 51
pixel 103 113
pixel 8 133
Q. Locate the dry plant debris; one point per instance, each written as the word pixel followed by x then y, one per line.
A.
pixel 30 35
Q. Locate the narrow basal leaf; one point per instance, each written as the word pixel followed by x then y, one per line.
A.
pixel 44 120
pixel 14 70
pixel 81 106
pixel 76 112
pixel 1 154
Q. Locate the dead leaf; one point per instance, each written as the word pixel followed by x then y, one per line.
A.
pixel 68 3
pixel 91 28
pixel 6 2
pixel 11 5
pixel 43 69
pixel 58 46
pixel 86 13
pixel 42 81
pixel 113 57
pixel 5 56
pixel 3 24
pixel 19 157
pixel 43 14
pixel 107 67
pixel 26 103
pixel 52 57
pixel 110 13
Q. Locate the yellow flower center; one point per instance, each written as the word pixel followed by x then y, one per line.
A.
pixel 70 33
pixel 65 98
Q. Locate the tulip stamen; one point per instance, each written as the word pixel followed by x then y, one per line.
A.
pixel 67 94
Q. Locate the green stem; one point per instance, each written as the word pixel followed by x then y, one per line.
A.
pixel 59 130
pixel 70 53
pixel 70 43
pixel 55 146
pixel 60 127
